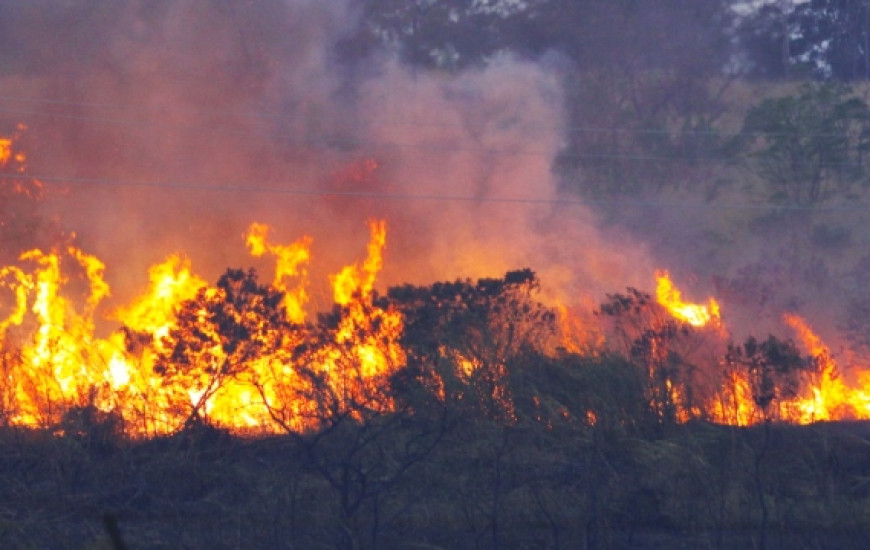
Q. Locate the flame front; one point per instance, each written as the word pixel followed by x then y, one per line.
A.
pixel 827 396
pixel 63 364
pixel 246 356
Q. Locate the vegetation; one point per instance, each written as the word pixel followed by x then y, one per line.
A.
pixel 513 442
pixel 490 434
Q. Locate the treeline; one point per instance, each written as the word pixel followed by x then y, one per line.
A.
pixel 656 91
pixel 474 483
pixel 493 435
pixel 466 349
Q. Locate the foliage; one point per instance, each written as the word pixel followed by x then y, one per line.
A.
pixel 810 145
pixel 774 368
pixel 832 38
pixel 459 337
pixel 827 39
pixel 572 392
pixel 693 487
pixel 660 347
pixel 434 34
pixel 220 331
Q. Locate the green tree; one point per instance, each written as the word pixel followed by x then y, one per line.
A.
pixel 433 34
pixel 828 39
pixel 809 147
pixel 765 38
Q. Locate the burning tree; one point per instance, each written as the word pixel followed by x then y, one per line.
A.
pixel 773 369
pixel 461 338
pixel 219 335
pixel 661 346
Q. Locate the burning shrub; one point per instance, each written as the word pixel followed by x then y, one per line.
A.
pixel 220 334
pixel 773 368
pixel 661 347
pixel 462 339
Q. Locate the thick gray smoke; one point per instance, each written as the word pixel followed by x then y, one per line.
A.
pixel 171 126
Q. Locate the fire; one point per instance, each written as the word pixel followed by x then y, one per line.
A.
pixel 246 356
pixel 578 334
pixel 8 154
pixel 290 264
pixel 13 161
pixel 670 297
pixel 56 364
pixel 361 278
pixel 5 151
pixel 62 364
pixel 734 404
pixel 827 397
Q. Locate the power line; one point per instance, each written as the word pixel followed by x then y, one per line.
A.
pixel 267 116
pixel 333 143
pixel 386 196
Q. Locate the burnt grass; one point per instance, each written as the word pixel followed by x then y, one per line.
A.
pixel 482 485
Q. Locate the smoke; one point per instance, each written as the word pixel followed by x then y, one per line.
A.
pixel 171 126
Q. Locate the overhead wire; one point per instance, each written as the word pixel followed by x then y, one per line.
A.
pixel 561 200
pixel 330 141
pixel 271 116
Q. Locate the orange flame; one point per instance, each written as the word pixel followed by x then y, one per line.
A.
pixel 359 279
pixel 5 151
pixel 827 396
pixel 54 361
pixel 290 262
pixel 63 364
pixel 8 154
pixel 670 297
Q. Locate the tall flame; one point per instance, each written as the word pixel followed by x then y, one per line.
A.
pixel 670 297
pixel 290 263
pixel 247 357
pixel 828 397
pixel 359 279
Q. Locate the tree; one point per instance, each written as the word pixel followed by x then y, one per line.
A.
pixel 644 88
pixel 219 334
pixel 355 432
pixel 825 39
pixel 833 38
pixel 661 347
pixel 460 338
pixel 765 39
pixel 809 147
pixel 432 34
pixel 773 368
